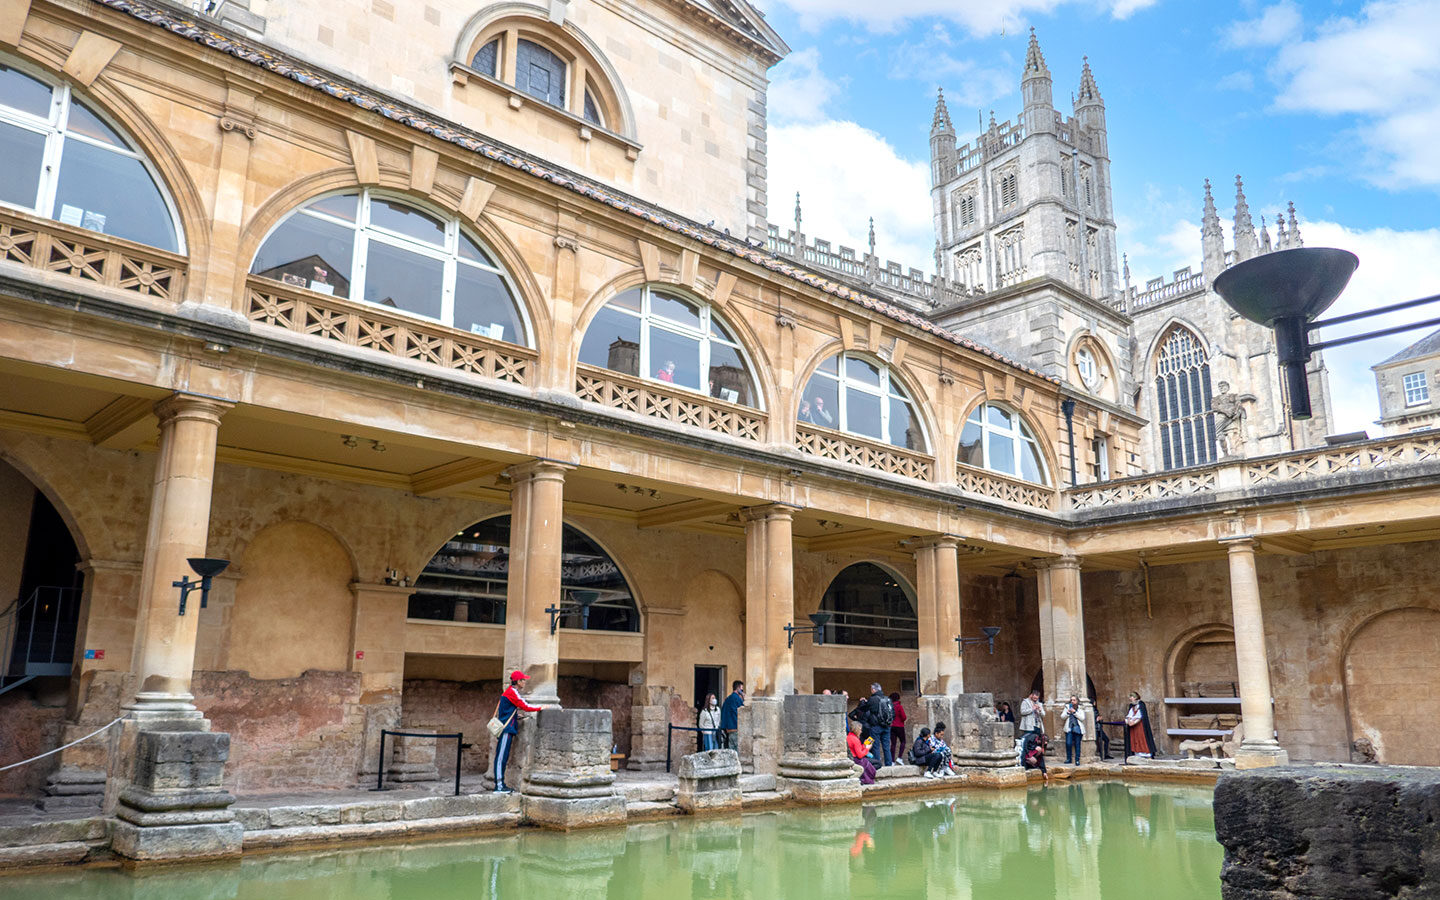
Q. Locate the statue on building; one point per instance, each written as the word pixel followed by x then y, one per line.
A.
pixel 1230 414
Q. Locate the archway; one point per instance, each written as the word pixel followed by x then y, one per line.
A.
pixel 870 607
pixel 1388 657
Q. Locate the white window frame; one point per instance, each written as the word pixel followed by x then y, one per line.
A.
pixel 1100 447
pixel 1088 367
pixel 885 391
pixel 1019 435
pixel 1416 387
pixel 55 128
pixel 650 320
pixel 448 254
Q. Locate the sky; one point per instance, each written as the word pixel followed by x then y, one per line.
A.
pixel 1332 105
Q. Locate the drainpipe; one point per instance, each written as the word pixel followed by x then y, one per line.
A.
pixel 1067 406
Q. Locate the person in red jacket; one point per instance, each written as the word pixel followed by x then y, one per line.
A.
pixel 508 710
pixel 897 729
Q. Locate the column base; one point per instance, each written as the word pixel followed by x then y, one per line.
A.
pixel 1260 755
pixel 156 705
pixel 171 843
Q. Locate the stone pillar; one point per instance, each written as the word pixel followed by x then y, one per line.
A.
pixel 412 759
pixel 938 595
pixel 179 526
pixel 567 778
pixel 709 782
pixel 814 765
pixel 650 729
pixel 377 652
pixel 536 527
pixel 1259 747
pixel 769 607
pixel 1062 647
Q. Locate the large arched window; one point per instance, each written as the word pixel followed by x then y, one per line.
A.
pixel 1182 390
pixel 382 250
pixel 466 581
pixel 996 438
pixel 61 159
pixel 870 607
pixel 852 393
pixel 659 334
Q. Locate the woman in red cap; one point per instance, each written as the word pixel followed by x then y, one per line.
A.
pixel 507 710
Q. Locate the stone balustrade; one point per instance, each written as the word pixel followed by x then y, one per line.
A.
pixel 630 394
pixel 51 246
pixel 995 486
pixel 827 443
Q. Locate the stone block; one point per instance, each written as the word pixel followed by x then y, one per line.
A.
pixel 886 773
pixel 815 768
pixel 440 807
pixel 709 781
pixel 252 819
pixel 177 842
pixel 757 783
pixel 43 854
pixel 554 812
pixel 376 811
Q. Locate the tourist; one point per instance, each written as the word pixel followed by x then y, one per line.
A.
pixel 1003 713
pixel 1137 728
pixel 709 723
pixel 1073 719
pixel 924 753
pixel 1032 753
pixel 860 753
pixel 937 740
pixel 507 710
pixel 808 418
pixel 667 371
pixel 730 715
pixel 897 729
pixel 822 415
pixel 876 713
pixel 1032 714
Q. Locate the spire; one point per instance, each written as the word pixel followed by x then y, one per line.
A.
pixel 1294 228
pixel 941 123
pixel 1264 236
pixel 1037 91
pixel 1034 59
pixel 1245 243
pixel 1212 238
pixel 872 235
pixel 1089 92
pixel 798 230
pixel 1210 220
pixel 1282 239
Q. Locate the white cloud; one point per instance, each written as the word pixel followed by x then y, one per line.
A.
pixel 1236 81
pixel 979 17
pixel 845 174
pixel 1383 66
pixel 968 83
pixel 1124 9
pixel 1277 24
pixel 799 91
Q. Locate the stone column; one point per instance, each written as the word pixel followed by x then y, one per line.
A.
pixel 1259 747
pixel 1062 646
pixel 536 527
pixel 814 765
pixel 769 607
pixel 179 527
pixel 942 671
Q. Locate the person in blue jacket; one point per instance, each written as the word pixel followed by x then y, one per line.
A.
pixel 508 710
pixel 730 714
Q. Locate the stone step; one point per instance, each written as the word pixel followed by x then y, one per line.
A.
pixel 646 791
pixel 757 783
pixel 285 837
pixel 762 798
pixel 66 831
pixel 647 809
pixel 886 773
pixel 44 854
pixel 371 812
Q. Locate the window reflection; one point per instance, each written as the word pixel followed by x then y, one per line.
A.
pixel 997 439
pixel 404 280
pixel 851 393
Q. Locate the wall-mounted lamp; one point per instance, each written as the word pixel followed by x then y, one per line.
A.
pixel 816 630
pixel 584 600
pixel 989 631
pixel 206 569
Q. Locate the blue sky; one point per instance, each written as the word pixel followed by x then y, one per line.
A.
pixel 1334 105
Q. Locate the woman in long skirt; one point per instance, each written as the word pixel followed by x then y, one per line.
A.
pixel 1137 724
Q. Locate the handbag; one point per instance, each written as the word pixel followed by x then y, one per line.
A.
pixel 497 727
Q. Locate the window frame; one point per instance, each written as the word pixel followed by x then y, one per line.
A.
pixel 886 390
pixel 1185 420
pixel 508 34
pixel 1421 388
pixel 55 128
pixel 365 231
pixel 1020 435
pixel 1092 378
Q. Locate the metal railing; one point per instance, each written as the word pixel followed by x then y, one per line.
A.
pixel 37 635
pixel 380 765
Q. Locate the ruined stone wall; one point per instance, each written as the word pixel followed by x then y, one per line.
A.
pixel 31 718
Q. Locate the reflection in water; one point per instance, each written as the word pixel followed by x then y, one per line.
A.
pixel 1087 841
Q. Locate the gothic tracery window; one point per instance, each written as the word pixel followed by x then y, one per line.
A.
pixel 1012 256
pixel 970 268
pixel 1182 392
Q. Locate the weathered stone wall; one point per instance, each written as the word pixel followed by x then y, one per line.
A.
pixel 30 723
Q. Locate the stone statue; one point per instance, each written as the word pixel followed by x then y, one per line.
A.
pixel 1229 410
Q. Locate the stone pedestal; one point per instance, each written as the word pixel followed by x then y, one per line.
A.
pixel 709 782
pixel 173 806
pixel 567 780
pixel 761 742
pixel 412 759
pixel 650 729
pixel 814 766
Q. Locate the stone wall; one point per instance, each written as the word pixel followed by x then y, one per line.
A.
pixel 32 720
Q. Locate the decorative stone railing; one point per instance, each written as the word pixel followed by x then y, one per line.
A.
pixel 1006 490
pixel 90 256
pixel 367 327
pixel 857 451
pixel 625 392
pixel 1180 287
pixel 1378 457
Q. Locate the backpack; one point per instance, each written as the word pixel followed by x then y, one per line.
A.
pixel 886 712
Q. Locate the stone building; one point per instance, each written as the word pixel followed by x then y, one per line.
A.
pixel 1404 383
pixel 458 383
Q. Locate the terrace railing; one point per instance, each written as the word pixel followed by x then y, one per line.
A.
pixel 630 394
pixel 857 451
pixel 87 255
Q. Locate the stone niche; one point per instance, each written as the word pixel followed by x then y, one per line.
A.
pixel 1348 833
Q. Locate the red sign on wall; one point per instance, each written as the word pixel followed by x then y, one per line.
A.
pixel 94 654
pixel 359 654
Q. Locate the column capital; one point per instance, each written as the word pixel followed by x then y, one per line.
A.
pixel 540 469
pixel 768 512
pixel 191 406
pixel 1055 562
pixel 930 541
pixel 1240 544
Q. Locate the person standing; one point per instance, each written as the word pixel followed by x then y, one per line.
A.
pixel 730 715
pixel 709 723
pixel 875 714
pixel 1032 714
pixel 897 729
pixel 1073 717
pixel 1003 713
pixel 1137 728
pixel 509 708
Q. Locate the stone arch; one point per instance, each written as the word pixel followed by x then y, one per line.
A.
pixel 1204 654
pixel 1090 340
pixel 837 570
pixel 1384 659
pixel 717 597
pixel 67 506
pixel 1173 323
pixel 293 605
pixel 442 200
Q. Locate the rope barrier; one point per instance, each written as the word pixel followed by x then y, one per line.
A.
pixel 58 749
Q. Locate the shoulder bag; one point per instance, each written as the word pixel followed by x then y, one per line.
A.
pixel 497 727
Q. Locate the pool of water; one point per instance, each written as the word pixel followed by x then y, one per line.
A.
pixel 1088 841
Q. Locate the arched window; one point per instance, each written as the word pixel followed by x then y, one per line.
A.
pixel 996 438
pixel 854 394
pixel 663 336
pixel 1182 390
pixel 542 70
pixel 63 160
pixel 870 607
pixel 466 581
pixel 364 246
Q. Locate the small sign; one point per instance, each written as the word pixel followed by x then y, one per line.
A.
pixel 359 654
pixel 94 654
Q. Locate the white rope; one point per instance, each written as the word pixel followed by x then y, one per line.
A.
pixel 58 749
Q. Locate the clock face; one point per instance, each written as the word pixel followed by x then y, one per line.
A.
pixel 1088 368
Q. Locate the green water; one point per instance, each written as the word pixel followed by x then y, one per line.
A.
pixel 1091 841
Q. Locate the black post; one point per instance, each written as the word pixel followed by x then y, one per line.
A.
pixel 1068 407
pixel 380 764
pixel 669 732
pixel 1292 345
pixel 459 743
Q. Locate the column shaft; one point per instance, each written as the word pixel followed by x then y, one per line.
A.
pixel 536 529
pixel 179 525
pixel 769 601
pixel 1259 746
pixel 942 670
pixel 1062 643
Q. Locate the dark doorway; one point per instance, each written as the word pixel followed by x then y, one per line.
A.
pixel 707 681
pixel 38 627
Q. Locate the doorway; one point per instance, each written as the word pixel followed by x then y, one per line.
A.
pixel 708 680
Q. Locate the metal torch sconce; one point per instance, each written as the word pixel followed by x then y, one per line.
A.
pixel 584 600
pixel 989 631
pixel 816 630
pixel 207 569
